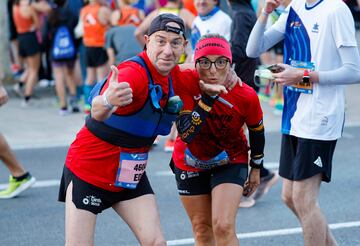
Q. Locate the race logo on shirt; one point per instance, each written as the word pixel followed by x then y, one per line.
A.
pixel 315 28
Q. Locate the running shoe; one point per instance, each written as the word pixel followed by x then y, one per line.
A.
pixel 18 90
pixel 16 187
pixel 63 112
pixel 169 145
pixel 28 103
pixel 265 184
pixel 74 105
pixel 247 202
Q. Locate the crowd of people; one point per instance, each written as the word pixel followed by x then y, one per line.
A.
pixel 186 69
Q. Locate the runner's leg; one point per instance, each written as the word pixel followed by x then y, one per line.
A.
pixel 225 200
pixel 198 208
pixel 79 224
pixel 142 216
pixel 313 222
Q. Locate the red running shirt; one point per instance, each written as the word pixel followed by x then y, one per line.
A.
pixel 96 161
pixel 223 128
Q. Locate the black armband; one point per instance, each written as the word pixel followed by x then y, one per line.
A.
pixel 257 140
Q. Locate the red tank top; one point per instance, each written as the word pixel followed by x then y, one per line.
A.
pixel 129 15
pixel 22 24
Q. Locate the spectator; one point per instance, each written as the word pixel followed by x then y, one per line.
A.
pixel 314 108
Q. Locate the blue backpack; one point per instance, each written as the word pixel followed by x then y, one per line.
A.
pixel 63 46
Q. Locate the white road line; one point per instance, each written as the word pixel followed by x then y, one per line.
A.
pixel 38 184
pixel 269 233
pixel 42 145
pixel 54 182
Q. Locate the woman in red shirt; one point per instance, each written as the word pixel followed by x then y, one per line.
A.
pixel 210 159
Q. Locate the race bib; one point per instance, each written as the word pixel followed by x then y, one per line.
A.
pixel 219 160
pixel 131 168
pixel 302 87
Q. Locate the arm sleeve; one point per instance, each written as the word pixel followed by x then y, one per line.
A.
pixel 255 125
pixel 348 73
pixel 189 123
pixel 260 42
pixel 343 33
pixel 257 140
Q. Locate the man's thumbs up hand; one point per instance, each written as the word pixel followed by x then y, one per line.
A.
pixel 118 93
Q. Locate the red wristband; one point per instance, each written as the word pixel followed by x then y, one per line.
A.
pixel 306 73
pixel 306 76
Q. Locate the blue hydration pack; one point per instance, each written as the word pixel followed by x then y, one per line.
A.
pixel 63 45
pixel 151 120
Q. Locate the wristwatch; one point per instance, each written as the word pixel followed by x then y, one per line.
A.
pixel 306 77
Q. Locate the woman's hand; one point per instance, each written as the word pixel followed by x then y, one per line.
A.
pixel 212 89
pixel 252 183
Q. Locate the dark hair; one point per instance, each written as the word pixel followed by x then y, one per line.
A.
pixel 55 16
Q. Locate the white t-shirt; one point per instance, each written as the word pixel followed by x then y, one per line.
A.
pixel 313 34
pixel 219 22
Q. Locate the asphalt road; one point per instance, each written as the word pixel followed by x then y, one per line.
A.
pixel 36 218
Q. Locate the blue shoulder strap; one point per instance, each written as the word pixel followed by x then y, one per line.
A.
pixel 154 90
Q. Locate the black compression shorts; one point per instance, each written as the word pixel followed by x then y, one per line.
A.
pixel 199 183
pixel 94 199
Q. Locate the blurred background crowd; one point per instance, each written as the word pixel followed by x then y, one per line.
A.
pixel 70 45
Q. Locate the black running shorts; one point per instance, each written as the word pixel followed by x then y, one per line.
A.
pixel 200 183
pixel 303 158
pixel 95 56
pixel 28 44
pixel 94 199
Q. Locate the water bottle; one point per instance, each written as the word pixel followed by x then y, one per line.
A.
pixel 174 105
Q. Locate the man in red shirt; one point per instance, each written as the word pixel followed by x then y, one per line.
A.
pixel 105 165
pixel 210 159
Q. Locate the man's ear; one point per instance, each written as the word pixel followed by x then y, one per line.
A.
pixel 186 43
pixel 147 39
